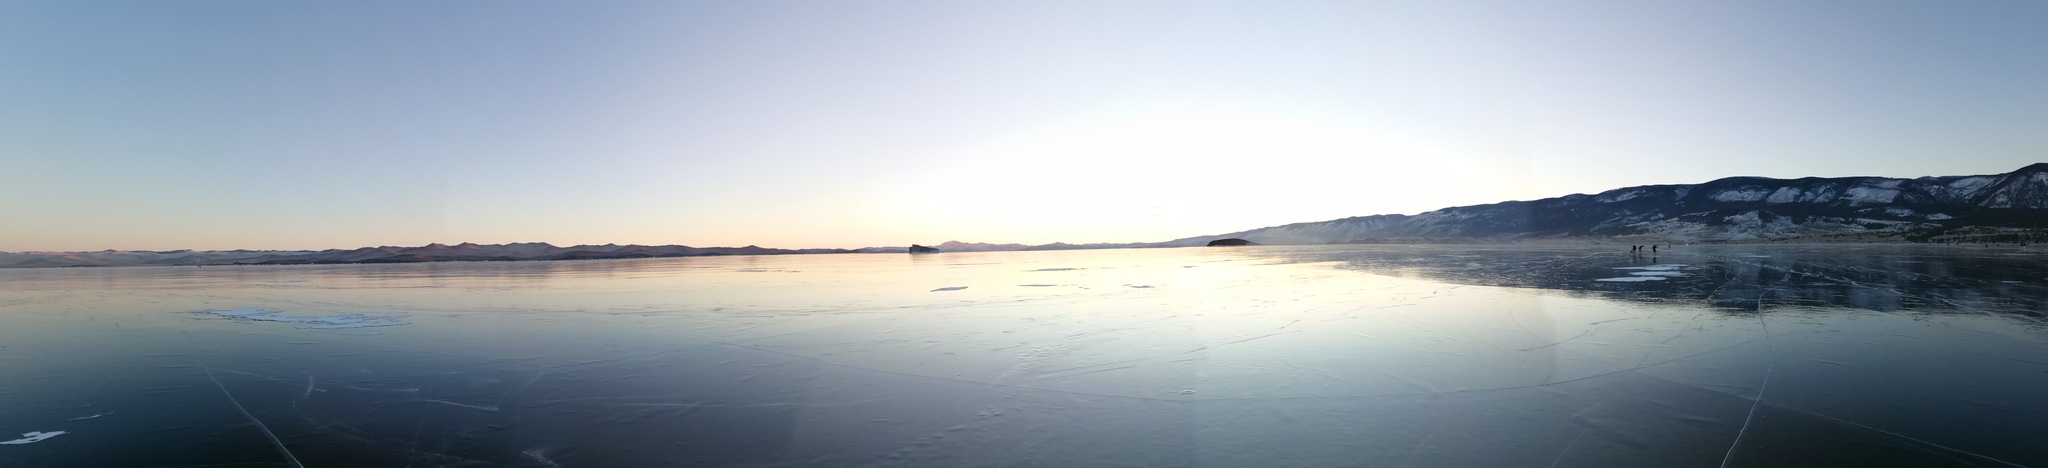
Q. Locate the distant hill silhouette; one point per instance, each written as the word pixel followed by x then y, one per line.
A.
pixel 2010 207
pixel 386 254
pixel 2007 207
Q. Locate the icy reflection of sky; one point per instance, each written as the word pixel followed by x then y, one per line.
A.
pixel 1367 355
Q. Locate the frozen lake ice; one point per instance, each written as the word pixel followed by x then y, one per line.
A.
pixel 1778 355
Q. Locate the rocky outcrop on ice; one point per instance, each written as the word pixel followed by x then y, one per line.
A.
pixel 1730 209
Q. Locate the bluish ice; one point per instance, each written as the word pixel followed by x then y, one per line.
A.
pixel 1776 355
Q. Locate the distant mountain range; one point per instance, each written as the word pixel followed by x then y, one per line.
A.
pixel 1984 208
pixel 426 253
pixel 957 246
pixel 2008 207
pixel 465 252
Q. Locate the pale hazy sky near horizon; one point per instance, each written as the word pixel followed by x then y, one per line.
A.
pixel 307 125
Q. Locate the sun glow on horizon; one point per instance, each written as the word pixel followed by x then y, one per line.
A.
pixel 337 125
pixel 1154 171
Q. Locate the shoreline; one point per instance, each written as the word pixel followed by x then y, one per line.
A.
pixel 1480 244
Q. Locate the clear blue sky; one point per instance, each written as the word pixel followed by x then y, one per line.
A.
pixel 261 124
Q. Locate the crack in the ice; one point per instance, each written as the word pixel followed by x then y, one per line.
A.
pixel 451 403
pixel 365 436
pixel 1255 337
pixel 1895 434
pixel 1053 373
pixel 1280 398
pixel 1427 329
pixel 1092 372
pixel 1568 447
pixel 252 418
pixel 1566 340
pixel 1772 365
pixel 412 449
pixel 1423 443
pixel 1718 389
pixel 1518 321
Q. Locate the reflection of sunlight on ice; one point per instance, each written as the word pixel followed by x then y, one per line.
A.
pixel 1259 329
pixel 848 359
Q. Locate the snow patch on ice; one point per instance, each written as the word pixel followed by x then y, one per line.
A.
pixel 540 455
pixel 1657 267
pixel 33 437
pixel 82 418
pixel 258 314
pixel 1658 273
pixel 1632 279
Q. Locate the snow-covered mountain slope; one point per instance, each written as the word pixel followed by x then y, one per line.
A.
pixel 1730 209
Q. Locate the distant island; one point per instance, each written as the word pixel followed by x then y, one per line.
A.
pixel 1999 208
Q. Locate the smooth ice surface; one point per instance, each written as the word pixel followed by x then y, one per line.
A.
pixel 1632 279
pixel 1660 267
pixel 1243 356
pixel 256 314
